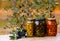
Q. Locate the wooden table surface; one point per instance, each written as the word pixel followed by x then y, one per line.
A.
pixel 56 38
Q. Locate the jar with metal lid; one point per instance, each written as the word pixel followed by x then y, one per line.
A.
pixel 51 26
pixel 29 27
pixel 40 27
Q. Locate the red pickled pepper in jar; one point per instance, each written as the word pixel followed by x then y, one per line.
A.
pixel 51 27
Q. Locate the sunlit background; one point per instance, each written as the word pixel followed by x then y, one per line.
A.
pixel 28 8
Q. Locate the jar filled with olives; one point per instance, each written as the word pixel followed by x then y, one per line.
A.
pixel 40 27
pixel 29 27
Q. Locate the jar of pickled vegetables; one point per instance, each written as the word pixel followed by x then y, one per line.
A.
pixel 40 27
pixel 51 26
pixel 29 27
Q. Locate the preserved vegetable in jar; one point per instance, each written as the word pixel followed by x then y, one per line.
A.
pixel 40 27
pixel 29 28
pixel 51 26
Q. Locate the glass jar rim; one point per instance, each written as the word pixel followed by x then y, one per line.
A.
pixel 51 18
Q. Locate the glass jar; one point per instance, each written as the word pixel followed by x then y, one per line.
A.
pixel 29 27
pixel 40 27
pixel 51 26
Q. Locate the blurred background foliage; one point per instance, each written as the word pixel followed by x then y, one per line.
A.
pixel 24 9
